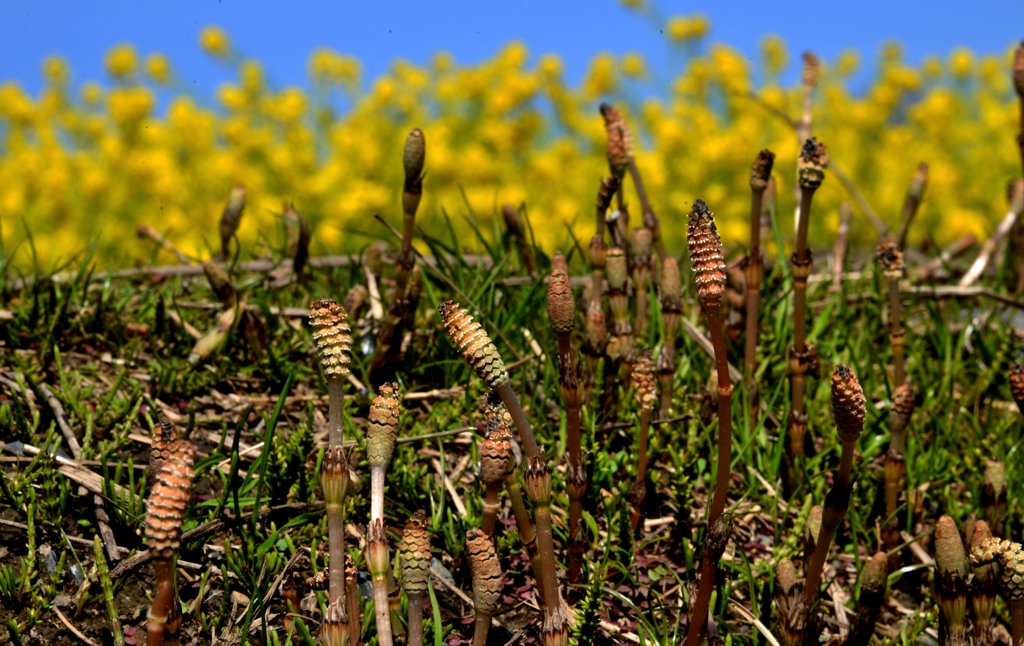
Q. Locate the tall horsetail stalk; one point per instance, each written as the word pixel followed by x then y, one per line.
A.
pixel 620 345
pixel 1011 582
pixel 596 326
pixel 644 388
pixel 760 173
pixel 640 256
pixel 891 259
pixel 671 297
pixel 414 558
pixel 708 264
pixel 495 453
pixel 487 580
pixel 168 503
pixel 333 339
pixel 849 410
pixel 912 203
pixel 562 314
pixel 803 357
pixel 620 159
pixel 381 433
pixel 951 573
pixel 895 463
pixel 479 351
pixel 377 562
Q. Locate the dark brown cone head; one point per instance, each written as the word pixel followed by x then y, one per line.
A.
pixel 640 242
pixel 620 142
pixel 645 384
pixel 671 286
pixel 812 69
pixel 902 408
pixel 163 436
pixel 888 254
pixel 382 429
pixel 1018 70
pixel 876 574
pixel 561 305
pixel 761 170
pixel 414 155
pixel 494 453
pixel 950 557
pixel 918 183
pixel 168 502
pixel 606 192
pixel 706 255
pixel 812 164
pixel 616 269
pixel 414 554
pixel 848 404
pixel 487 576
pixel 332 336
pixel 473 343
pixel 596 328
pixel 1017 384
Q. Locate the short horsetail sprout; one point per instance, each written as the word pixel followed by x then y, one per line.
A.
pixel 1011 581
pixel 377 560
pixel 300 254
pixel 381 433
pixel 333 339
pixel 873 580
pixel 230 218
pixel 1017 384
pixel 708 263
pixel 168 503
pixel 414 558
pixel 479 352
pixel 993 495
pixel 413 160
pixel 562 314
pixel 983 589
pixel 487 582
pixel 891 260
pixel 640 254
pixel 811 173
pixel 792 617
pixel 334 631
pixel 915 193
pixel 849 410
pixel 645 391
pixel 671 313
pixel 951 574
pixel 811 530
pixel 495 452
pixel 760 173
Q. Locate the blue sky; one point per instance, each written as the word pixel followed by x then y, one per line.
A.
pixel 282 35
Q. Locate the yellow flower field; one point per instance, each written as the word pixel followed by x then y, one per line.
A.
pixel 84 161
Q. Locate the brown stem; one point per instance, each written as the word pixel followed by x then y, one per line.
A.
pixel 526 531
pixel 491 508
pixel 515 409
pixel 336 403
pixel 163 600
pixel 481 628
pixel 714 314
pixel 754 276
pixel 546 547
pixel 336 509
pixel 416 619
pixel 896 330
pixel 699 614
pixel 801 267
pixel 650 220
pixel 639 489
pixel 352 609
pixel 576 476
pixel 382 612
pixel 836 504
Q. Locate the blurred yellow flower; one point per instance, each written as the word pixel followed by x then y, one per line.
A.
pixel 848 63
pixel 92 93
pixel 774 55
pixel 600 79
pixel 932 67
pixel 56 70
pixel 158 68
pixel 688 28
pixel 633 65
pixel 214 42
pixel 632 4
pixel 961 62
pixel 122 61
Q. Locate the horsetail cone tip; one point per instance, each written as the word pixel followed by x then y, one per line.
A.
pixel 887 251
pixel 706 253
pixel 902 407
pixel 811 70
pixel 606 192
pixel 414 155
pixel 812 164
pixel 232 213
pixel 559 262
pixel 616 269
pixel 671 286
pixel 332 336
pixel 813 526
pixel 640 242
pixel 382 430
pixel 486 568
pixel 620 141
pixel 1018 70
pixel 1017 384
pixel 169 499
pixel 494 453
pixel 644 382
pixel 761 170
pixel 163 436
pixel 377 549
pixel 473 343
pixel 848 404
pixel 1011 559
pixel 876 573
pixel 596 329
pixel 950 557
pixel 561 305
pixel 414 554
pixel 334 475
pixel 919 182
